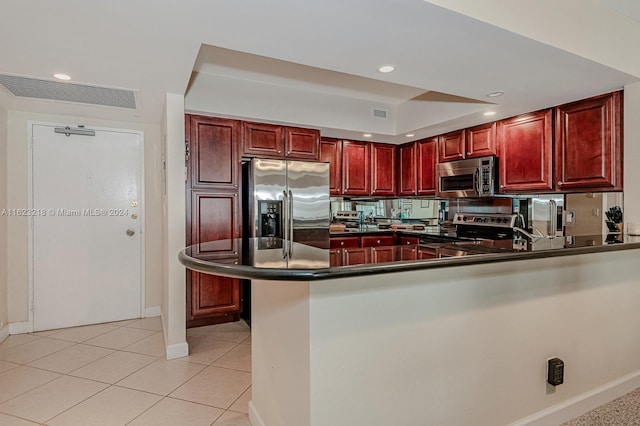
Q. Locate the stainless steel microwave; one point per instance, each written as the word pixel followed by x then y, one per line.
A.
pixel 474 177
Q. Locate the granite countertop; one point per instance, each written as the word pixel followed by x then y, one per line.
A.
pixel 262 258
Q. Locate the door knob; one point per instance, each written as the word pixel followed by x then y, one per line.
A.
pixel 130 232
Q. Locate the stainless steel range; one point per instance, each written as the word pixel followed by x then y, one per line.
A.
pixel 494 226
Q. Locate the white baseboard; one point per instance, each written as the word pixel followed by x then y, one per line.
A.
pixel 20 327
pixel 254 417
pixel 580 404
pixel 152 311
pixel 4 333
pixel 177 351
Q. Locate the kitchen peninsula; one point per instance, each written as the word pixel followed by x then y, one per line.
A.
pixel 447 340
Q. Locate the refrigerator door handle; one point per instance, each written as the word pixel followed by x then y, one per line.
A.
pixel 290 237
pixel 285 224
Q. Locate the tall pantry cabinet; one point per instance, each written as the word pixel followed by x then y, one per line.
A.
pixel 213 199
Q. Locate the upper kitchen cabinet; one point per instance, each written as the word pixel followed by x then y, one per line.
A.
pixel 356 168
pixel 452 146
pixel 588 144
pixel 525 148
pixel 407 170
pixel 263 140
pixel 427 160
pixel 481 140
pixel 302 144
pixel 213 148
pixel 383 169
pixel 331 152
pixel 273 141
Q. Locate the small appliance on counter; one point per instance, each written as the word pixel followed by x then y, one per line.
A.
pixel 349 220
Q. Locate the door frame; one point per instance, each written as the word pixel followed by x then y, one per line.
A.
pixel 30 124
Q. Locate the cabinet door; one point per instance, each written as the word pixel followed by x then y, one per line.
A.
pixel 588 144
pixel 344 242
pixel 335 257
pixel 215 216
pixel 524 145
pixel 213 296
pixel 213 152
pixel 379 240
pixel 381 254
pixel 427 253
pixel 409 240
pixel 331 151
pixel 451 146
pixel 481 140
pixel 427 163
pixel 355 168
pixel 302 144
pixel 263 140
pixel 408 253
pixel 407 170
pixel 356 256
pixel 383 169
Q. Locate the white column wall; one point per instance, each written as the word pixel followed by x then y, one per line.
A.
pixel 631 153
pixel 4 316
pixel 173 226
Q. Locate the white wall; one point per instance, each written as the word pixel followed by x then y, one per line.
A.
pixel 17 191
pixel 4 317
pixel 173 225
pixel 631 153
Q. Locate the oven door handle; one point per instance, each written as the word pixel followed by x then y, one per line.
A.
pixel 285 224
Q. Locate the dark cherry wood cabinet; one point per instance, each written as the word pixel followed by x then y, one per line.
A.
pixel 407 170
pixel 335 257
pixel 213 213
pixel 263 140
pixel 451 146
pixel 409 240
pixel 213 153
pixel 273 141
pixel 383 169
pixel 588 144
pixel 525 151
pixel 344 242
pixel 303 144
pixel 356 168
pixel 427 161
pixel 382 254
pixel 377 240
pixel 331 152
pixel 356 256
pixel 480 140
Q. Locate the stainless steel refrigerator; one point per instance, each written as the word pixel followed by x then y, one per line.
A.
pixel 288 201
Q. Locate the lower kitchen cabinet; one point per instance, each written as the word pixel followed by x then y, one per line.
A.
pixel 344 242
pixel 380 240
pixel 213 299
pixel 408 253
pixel 382 254
pixel 335 257
pixel 409 240
pixel 355 256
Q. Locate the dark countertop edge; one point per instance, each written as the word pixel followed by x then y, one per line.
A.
pixel 283 274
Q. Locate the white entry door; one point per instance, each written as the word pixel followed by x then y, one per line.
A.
pixel 87 216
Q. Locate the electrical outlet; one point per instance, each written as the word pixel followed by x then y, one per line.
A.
pixel 595 212
pixel 570 218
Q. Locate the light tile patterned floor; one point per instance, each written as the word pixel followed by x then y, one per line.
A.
pixel 116 374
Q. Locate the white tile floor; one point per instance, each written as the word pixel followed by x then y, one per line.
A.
pixel 116 374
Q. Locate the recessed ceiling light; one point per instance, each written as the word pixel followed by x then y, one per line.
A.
pixel 386 68
pixel 62 76
pixel 409 135
pixel 495 94
pixel 366 135
pixel 489 113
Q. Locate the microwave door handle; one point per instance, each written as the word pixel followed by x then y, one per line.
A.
pixel 476 182
pixel 285 224
pixel 553 218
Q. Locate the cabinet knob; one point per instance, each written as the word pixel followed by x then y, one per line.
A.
pixel 279 151
pixel 560 183
pixel 341 243
pixel 502 186
pixel 378 241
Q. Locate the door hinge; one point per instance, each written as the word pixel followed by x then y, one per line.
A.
pixel 186 151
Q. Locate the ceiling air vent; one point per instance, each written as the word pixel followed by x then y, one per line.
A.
pixel 380 113
pixel 26 87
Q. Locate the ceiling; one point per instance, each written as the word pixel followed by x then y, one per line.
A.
pixel 300 62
